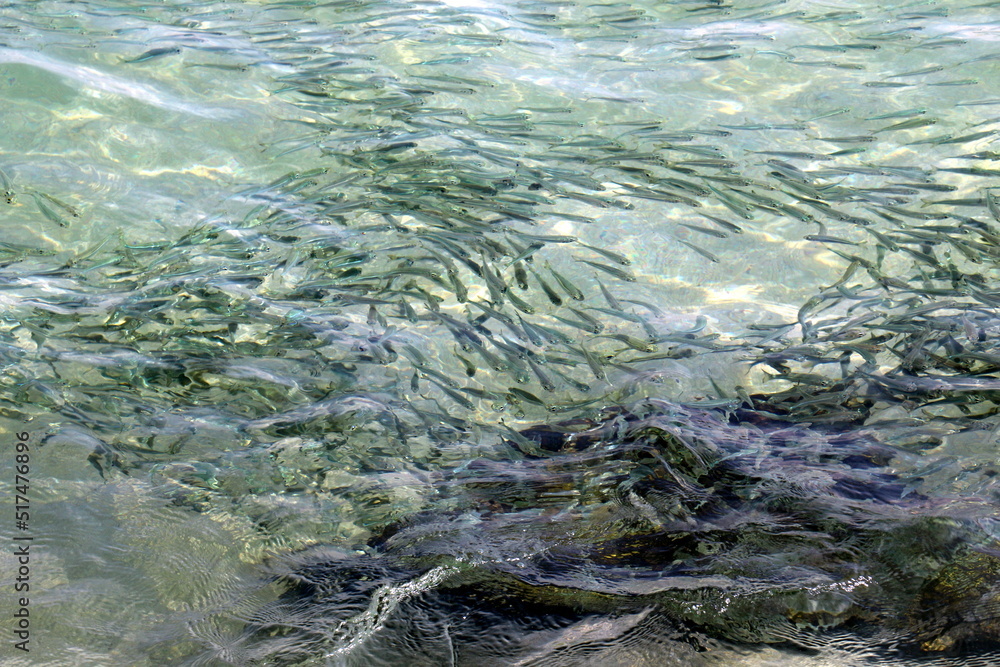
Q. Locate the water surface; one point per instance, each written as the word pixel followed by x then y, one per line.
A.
pixel 244 251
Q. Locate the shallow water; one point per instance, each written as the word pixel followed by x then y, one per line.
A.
pixel 244 246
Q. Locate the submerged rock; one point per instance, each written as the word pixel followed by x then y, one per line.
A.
pixel 714 529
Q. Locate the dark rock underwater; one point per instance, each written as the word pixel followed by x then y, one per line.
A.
pixel 692 530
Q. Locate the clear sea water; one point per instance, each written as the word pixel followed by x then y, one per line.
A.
pixel 182 174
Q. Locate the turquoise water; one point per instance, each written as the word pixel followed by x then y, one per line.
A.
pixel 262 319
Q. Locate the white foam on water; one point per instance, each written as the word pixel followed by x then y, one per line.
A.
pixel 96 80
